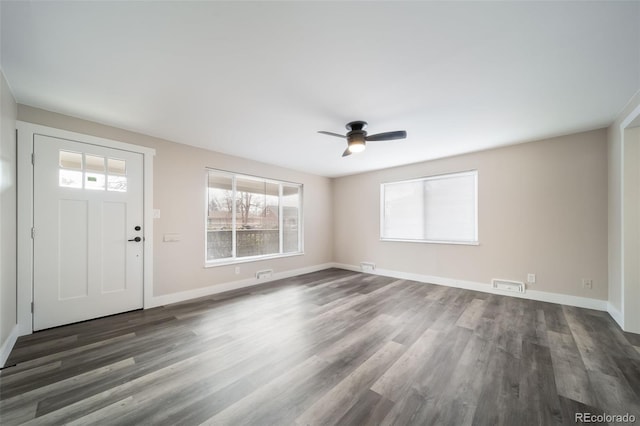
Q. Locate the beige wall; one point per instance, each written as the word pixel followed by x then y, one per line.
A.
pixel 7 211
pixel 179 191
pixel 542 210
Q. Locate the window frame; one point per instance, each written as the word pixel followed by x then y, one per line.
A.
pixel 474 242
pixel 246 259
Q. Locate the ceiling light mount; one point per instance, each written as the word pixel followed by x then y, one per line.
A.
pixel 356 126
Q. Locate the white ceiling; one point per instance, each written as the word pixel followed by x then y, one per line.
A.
pixel 258 79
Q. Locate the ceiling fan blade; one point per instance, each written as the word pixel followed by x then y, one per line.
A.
pixel 332 134
pixel 387 136
pixel 346 152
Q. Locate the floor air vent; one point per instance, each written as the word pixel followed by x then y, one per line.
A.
pixel 508 285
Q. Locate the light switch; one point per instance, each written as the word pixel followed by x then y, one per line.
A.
pixel 156 213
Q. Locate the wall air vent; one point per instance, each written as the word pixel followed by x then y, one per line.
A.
pixel 264 274
pixel 367 267
pixel 508 285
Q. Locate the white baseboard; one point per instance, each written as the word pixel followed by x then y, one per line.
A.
pixel 8 344
pixel 616 315
pixel 233 285
pixel 542 296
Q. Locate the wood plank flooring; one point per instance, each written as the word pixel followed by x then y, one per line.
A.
pixel 330 347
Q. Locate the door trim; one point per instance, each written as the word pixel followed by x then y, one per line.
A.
pixel 26 133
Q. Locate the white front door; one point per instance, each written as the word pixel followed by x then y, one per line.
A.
pixel 88 217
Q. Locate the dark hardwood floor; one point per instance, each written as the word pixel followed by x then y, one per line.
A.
pixel 331 347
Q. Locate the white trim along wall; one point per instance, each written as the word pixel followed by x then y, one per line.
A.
pixel 232 285
pixel 542 296
pixel 7 346
pixel 26 132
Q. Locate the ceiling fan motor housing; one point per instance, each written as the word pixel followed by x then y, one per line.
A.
pixel 356 125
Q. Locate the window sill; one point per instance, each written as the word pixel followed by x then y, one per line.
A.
pixel 226 262
pixel 458 243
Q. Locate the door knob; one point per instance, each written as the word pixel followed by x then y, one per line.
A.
pixel 136 239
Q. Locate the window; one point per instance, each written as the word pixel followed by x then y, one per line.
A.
pixel 436 209
pixel 250 217
pixel 78 170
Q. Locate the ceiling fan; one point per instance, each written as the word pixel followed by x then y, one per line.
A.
pixel 357 136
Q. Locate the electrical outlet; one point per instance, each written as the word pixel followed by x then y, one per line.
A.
pixel 531 278
pixel 588 284
pixel 237 270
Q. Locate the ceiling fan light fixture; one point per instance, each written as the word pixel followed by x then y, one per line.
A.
pixel 356 143
pixel 356 147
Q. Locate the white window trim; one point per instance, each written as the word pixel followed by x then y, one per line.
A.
pixel 248 259
pixel 475 242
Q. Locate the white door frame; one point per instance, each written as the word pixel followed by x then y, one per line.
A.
pixel 26 132
pixel 630 315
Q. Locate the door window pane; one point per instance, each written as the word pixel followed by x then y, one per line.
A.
pixel 71 160
pixel 70 178
pixel 94 163
pixel 70 173
pixel 94 181
pixel 117 183
pixel 116 167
